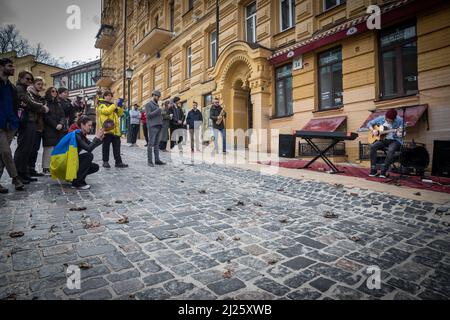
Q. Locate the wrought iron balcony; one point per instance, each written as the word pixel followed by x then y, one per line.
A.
pixel 106 78
pixel 106 37
pixel 154 41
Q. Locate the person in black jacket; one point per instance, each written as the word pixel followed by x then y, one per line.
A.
pixel 69 110
pixel 194 122
pixel 9 123
pixel 214 115
pixel 85 159
pixel 27 130
pixel 54 127
pixel 176 124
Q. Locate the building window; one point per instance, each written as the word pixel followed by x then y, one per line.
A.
pixel 283 98
pixel 188 62
pixel 213 48
pixel 169 72
pixel 330 79
pixel 328 4
pixel 398 65
pixel 207 100
pixel 250 22
pixel 190 5
pixel 172 15
pixel 287 14
pixel 141 88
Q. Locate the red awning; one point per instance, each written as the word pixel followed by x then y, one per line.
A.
pixel 324 124
pixel 413 114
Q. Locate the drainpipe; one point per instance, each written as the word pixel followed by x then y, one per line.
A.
pixel 217 29
pixel 124 44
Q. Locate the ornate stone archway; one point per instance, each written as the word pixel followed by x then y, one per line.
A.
pixel 242 71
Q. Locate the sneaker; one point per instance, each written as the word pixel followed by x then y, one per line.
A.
pixel 373 173
pixel 84 187
pixel 106 165
pixel 160 163
pixel 3 190
pixel 384 175
pixel 121 165
pixel 18 184
pixel 34 173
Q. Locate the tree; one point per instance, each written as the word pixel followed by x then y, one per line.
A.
pixel 11 40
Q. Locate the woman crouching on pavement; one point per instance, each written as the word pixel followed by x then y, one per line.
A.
pixel 85 160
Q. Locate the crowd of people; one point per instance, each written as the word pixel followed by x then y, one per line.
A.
pixel 39 116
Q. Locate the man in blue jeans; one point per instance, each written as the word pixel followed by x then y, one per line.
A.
pixel 218 120
pixel 392 142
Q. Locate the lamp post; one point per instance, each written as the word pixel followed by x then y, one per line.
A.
pixel 129 76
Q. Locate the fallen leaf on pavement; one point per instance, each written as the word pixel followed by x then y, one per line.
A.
pixel 12 296
pixel 119 201
pixel 355 238
pixel 202 191
pixel 78 209
pixel 257 204
pixel 16 234
pixel 227 274
pixel 236 238
pixel 272 261
pixel 84 266
pixel 330 215
pixel 93 224
pixel 123 220
pixel 220 238
pixel 240 203
pixel 52 228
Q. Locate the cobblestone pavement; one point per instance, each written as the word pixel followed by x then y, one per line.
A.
pixel 212 232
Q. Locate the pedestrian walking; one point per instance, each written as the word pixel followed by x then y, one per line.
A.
pixel 194 122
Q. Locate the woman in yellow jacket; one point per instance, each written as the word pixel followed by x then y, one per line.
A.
pixel 107 110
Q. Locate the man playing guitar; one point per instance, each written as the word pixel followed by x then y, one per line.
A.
pixel 392 139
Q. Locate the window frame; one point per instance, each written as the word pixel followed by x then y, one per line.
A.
pixel 212 48
pixel 169 72
pixel 400 90
pixel 338 3
pixel 332 91
pixel 287 112
pixel 251 17
pixel 291 14
pixel 188 62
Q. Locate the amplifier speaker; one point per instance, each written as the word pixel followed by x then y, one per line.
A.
pixel 441 159
pixel 286 147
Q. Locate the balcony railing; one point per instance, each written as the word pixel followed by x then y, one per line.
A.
pixel 305 150
pixel 106 78
pixel 106 37
pixel 154 41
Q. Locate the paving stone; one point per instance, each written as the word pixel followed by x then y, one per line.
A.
pixel 102 294
pixel 298 263
pixel 227 255
pixel 404 285
pixel 300 278
pixel 157 278
pixel 226 286
pixel 116 277
pixel 149 266
pixel 271 286
pixel 87 251
pixel 86 285
pixel 310 242
pixel 26 260
pixel 322 284
pixel 176 287
pixel 153 294
pixel 201 294
pixel 117 261
pixel 209 276
pixel 127 286
pixel 304 294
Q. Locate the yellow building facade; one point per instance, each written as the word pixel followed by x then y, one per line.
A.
pixel 282 63
pixel 29 63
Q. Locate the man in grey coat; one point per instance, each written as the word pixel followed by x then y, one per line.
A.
pixel 154 125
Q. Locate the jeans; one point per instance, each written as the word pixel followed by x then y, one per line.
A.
pixel 134 132
pixel 34 153
pixel 392 146
pixel 216 140
pixel 154 137
pixel 115 140
pixel 85 168
pixel 6 158
pixel 25 144
pixel 195 138
pixel 145 129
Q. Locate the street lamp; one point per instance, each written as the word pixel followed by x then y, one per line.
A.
pixel 129 76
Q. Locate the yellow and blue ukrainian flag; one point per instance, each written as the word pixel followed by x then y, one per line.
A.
pixel 64 158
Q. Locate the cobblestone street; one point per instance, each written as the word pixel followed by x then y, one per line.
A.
pixel 213 232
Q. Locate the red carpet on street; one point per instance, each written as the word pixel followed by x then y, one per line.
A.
pixel 439 184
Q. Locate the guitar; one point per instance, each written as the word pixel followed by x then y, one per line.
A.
pixel 381 133
pixel 221 116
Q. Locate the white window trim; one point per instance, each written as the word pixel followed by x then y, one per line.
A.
pixel 291 23
pixel 253 17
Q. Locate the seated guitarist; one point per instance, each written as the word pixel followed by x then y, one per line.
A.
pixel 392 141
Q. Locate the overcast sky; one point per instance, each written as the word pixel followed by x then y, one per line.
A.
pixel 45 21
